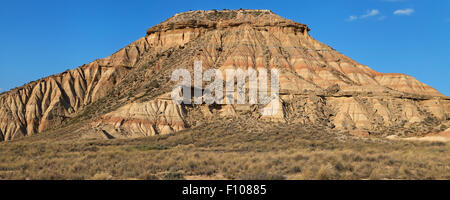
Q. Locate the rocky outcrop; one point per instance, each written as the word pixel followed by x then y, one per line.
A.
pixel 213 20
pixel 157 117
pixel 318 85
pixel 405 83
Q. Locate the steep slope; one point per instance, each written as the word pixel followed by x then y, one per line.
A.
pixel 43 104
pixel 126 94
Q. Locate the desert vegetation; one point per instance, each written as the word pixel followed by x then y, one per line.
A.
pixel 224 151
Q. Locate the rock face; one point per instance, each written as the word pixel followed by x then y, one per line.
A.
pixel 43 104
pixel 159 116
pixel 126 94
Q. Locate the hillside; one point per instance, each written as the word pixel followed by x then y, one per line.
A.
pixel 127 94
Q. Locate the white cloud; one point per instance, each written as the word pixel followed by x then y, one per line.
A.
pixel 406 11
pixel 371 13
pixel 352 18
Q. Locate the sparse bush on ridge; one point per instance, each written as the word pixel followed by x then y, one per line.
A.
pixel 173 176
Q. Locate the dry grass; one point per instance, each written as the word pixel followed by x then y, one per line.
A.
pixel 283 152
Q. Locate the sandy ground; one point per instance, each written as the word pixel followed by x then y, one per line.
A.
pixel 439 137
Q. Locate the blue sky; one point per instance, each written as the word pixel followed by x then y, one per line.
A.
pixel 40 38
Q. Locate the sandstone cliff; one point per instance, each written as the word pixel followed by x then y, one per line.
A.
pixel 126 94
